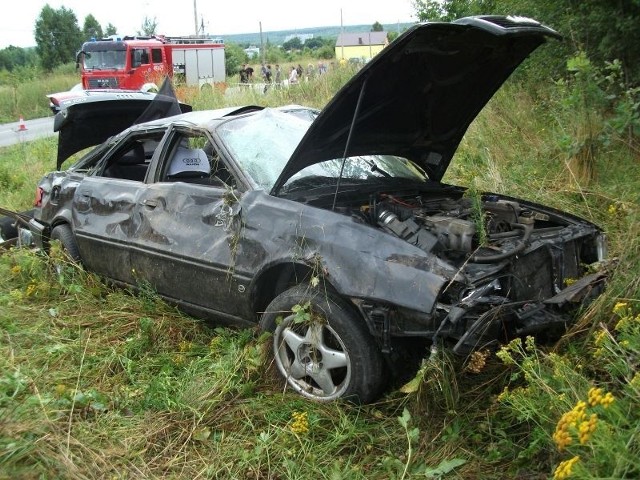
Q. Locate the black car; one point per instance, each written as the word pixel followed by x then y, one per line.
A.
pixel 333 228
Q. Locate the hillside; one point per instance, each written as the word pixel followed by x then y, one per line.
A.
pixel 278 37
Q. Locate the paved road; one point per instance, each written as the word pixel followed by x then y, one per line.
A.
pixel 11 134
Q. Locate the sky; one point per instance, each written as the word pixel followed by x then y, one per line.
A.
pixel 177 17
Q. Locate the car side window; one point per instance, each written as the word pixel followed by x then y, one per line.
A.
pixel 131 161
pixel 194 159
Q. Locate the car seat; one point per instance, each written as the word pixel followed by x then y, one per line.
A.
pixel 130 166
pixel 189 163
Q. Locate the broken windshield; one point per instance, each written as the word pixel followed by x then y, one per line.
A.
pixel 362 167
pixel 245 138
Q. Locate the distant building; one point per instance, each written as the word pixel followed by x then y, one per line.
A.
pixel 362 46
pixel 302 36
pixel 252 52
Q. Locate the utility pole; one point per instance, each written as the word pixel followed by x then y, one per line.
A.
pixel 262 53
pixel 342 33
pixel 195 15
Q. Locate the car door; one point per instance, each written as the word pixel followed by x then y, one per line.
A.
pixel 188 226
pixel 103 213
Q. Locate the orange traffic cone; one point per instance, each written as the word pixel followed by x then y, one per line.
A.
pixel 22 127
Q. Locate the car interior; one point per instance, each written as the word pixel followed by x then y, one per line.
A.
pixel 195 160
pixel 129 165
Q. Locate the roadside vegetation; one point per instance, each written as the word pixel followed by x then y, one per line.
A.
pixel 96 382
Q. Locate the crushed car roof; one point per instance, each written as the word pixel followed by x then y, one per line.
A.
pixel 88 117
pixel 417 97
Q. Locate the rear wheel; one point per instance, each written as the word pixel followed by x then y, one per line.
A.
pixel 64 234
pixel 322 348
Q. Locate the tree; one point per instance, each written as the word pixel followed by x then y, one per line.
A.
pixel 234 57
pixel 15 57
pixel 110 30
pixel 58 36
pixel 314 43
pixel 91 28
pixel 377 27
pixel 149 27
pixel 605 30
pixel 448 10
pixel 293 44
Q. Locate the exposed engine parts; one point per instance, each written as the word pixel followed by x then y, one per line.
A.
pixel 485 231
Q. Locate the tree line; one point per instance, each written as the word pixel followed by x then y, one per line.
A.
pixel 58 37
pixel 603 30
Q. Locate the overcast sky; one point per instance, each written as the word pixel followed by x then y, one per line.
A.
pixel 175 18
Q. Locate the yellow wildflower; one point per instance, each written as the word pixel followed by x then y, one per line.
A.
pixel 587 428
pixel 619 307
pixel 16 269
pixel 504 394
pixel 622 323
pixel 179 359
pixel 600 337
pixel 300 425
pixel 564 469
pixel 607 400
pixel 504 354
pixel 594 396
pixel 31 289
pixel 571 419
pixel 597 396
pixel 579 411
pixel 562 437
pixel 530 344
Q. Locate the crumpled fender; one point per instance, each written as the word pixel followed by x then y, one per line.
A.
pixel 358 260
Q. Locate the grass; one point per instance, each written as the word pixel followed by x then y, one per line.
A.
pixel 98 383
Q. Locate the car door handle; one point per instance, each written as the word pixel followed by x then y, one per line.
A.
pixel 150 203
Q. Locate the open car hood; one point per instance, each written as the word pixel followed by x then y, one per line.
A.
pixel 89 117
pixel 417 97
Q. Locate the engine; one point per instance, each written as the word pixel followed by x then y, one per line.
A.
pixel 458 227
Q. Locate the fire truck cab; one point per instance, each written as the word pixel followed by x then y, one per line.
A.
pixel 141 63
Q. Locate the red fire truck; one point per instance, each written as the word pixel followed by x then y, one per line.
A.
pixel 141 63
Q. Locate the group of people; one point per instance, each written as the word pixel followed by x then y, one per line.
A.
pixel 296 74
pixel 246 75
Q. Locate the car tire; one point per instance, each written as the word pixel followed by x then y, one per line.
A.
pixel 64 234
pixel 328 356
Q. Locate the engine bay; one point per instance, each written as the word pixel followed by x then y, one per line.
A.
pixel 484 229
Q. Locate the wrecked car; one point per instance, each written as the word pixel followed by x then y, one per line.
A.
pixel 333 229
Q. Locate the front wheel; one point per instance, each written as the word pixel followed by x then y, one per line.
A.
pixel 322 348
